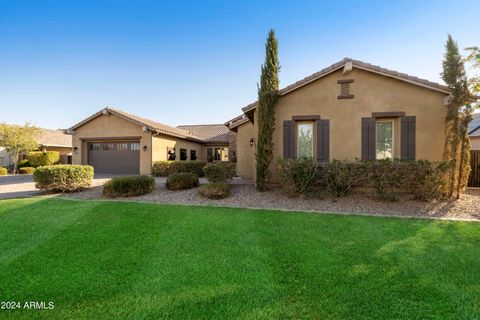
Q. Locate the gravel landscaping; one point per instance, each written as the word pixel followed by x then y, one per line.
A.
pixel 245 196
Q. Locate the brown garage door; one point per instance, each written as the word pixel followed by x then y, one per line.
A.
pixel 114 157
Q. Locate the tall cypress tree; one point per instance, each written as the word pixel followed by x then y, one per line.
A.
pixel 267 99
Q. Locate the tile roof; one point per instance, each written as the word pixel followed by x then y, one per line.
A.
pixel 232 124
pixel 208 132
pixel 54 138
pixel 474 126
pixel 360 65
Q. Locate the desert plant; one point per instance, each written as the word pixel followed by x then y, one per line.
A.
pixel 128 186
pixel 63 178
pixel 215 190
pixel 3 171
pixel 166 168
pixel 26 170
pixel 297 176
pixel 43 158
pixel 219 171
pixel 181 181
pixel 341 176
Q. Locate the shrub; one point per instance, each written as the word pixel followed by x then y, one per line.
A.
pixel 219 171
pixel 297 175
pixel 341 176
pixel 23 163
pixel 215 190
pixel 3 171
pixel 26 170
pixel 426 180
pixel 386 177
pixel 166 168
pixel 43 158
pixel 181 181
pixel 128 186
pixel 63 178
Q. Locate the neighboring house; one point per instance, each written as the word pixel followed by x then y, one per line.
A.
pixel 49 140
pixel 474 131
pixel 346 111
pixel 114 141
pixel 474 134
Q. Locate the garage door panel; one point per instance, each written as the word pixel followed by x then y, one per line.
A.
pixel 114 157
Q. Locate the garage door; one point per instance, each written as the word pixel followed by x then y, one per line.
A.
pixel 114 157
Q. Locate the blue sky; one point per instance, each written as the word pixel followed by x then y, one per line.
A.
pixel 182 62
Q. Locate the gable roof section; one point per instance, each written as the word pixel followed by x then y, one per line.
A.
pixel 54 138
pixel 474 126
pixel 149 124
pixel 351 63
pixel 210 133
pixel 234 123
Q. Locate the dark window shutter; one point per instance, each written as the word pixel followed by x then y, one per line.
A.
pixel 407 137
pixel 368 139
pixel 323 140
pixel 288 139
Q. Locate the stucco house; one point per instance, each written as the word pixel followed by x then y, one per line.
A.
pixel 350 110
pixel 474 131
pixel 117 142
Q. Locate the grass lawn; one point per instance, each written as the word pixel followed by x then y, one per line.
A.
pixel 115 260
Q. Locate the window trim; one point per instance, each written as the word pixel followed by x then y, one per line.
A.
pixel 392 121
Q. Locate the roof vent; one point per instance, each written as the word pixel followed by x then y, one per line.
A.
pixel 345 89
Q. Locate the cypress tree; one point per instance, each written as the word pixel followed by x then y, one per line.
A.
pixel 267 99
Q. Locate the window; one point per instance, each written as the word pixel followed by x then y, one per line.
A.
pixel 107 146
pixel 193 154
pixel 183 154
pixel 305 140
pixel 122 146
pixel 95 146
pixel 217 154
pixel 134 146
pixel 209 154
pixel 384 139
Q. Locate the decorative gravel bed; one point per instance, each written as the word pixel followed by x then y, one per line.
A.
pixel 245 196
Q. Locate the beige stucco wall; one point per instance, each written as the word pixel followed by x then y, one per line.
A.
pixel 373 93
pixel 245 153
pixel 160 143
pixel 61 150
pixel 111 126
pixel 475 143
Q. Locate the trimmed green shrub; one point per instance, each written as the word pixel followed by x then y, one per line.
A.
pixel 3 171
pixel 63 178
pixel 128 186
pixel 297 176
pixel 26 170
pixel 23 163
pixel 43 158
pixel 386 177
pixel 341 176
pixel 219 171
pixel 215 190
pixel 166 168
pixel 426 180
pixel 181 181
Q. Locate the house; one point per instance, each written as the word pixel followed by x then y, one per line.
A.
pixel 474 134
pixel 350 110
pixel 117 142
pixel 49 140
pixel 474 131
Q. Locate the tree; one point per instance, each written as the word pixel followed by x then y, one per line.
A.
pixel 17 139
pixel 459 114
pixel 267 99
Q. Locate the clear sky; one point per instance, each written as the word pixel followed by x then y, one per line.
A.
pixel 189 62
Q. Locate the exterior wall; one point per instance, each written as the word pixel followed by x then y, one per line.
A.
pixel 64 151
pixel 245 152
pixel 373 93
pixel 5 159
pixel 475 143
pixel 111 126
pixel 160 143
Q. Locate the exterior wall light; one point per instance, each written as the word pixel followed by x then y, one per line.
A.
pixel 252 141
pixel 144 148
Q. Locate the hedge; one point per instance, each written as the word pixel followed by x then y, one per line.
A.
pixel 181 181
pixel 23 163
pixel 3 171
pixel 26 170
pixel 63 178
pixel 219 171
pixel 297 176
pixel 43 158
pixel 128 186
pixel 215 190
pixel 166 168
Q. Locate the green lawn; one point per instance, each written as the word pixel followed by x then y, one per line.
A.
pixel 115 260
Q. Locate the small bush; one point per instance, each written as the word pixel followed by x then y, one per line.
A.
pixel 63 178
pixel 215 190
pixel 426 179
pixel 41 158
pixel 129 186
pixel 341 176
pixel 26 170
pixel 297 175
pixel 23 163
pixel 166 168
pixel 3 171
pixel 181 181
pixel 386 177
pixel 219 171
